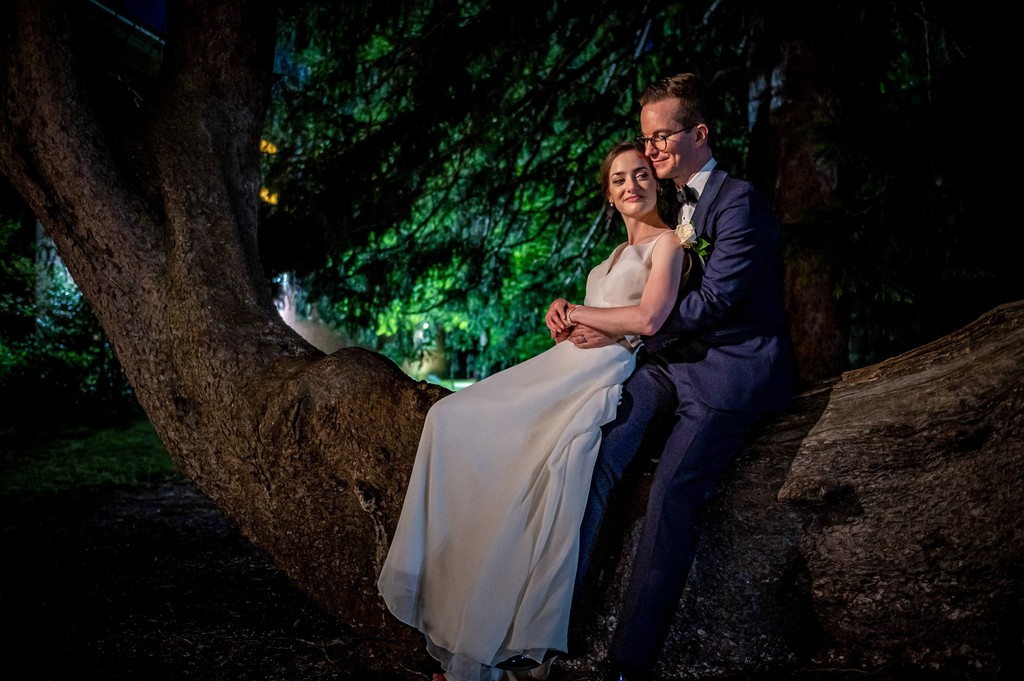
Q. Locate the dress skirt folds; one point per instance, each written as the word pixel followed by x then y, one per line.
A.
pixel 485 551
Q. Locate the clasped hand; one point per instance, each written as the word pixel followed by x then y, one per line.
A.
pixel 580 335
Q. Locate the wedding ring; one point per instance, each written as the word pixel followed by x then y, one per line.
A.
pixel 583 339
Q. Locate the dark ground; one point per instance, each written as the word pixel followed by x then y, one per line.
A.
pixel 146 583
pixel 152 583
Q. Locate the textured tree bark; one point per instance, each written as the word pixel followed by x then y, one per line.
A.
pixel 153 209
pixel 791 98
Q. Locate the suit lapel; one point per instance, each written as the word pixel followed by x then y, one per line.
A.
pixel 707 197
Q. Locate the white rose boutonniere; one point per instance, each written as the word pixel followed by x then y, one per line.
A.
pixel 688 238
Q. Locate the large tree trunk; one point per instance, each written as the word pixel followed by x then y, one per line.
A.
pixel 791 99
pixel 876 524
pixel 153 210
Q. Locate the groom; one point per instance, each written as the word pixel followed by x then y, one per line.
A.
pixel 722 360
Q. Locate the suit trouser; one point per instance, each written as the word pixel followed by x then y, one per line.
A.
pixel 701 445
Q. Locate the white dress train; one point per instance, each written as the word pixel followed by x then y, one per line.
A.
pixel 484 554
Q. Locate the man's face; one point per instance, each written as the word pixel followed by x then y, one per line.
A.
pixel 661 127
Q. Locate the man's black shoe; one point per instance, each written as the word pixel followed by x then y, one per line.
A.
pixel 518 663
pixel 522 663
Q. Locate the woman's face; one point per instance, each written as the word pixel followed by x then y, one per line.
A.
pixel 632 186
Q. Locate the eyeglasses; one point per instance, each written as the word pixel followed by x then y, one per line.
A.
pixel 659 142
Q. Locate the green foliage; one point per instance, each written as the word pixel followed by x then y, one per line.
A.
pixel 54 356
pixel 17 276
pixel 436 170
pixel 438 161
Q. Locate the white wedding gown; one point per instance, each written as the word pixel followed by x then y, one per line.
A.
pixel 484 555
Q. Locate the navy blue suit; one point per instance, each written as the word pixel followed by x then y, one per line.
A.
pixel 721 361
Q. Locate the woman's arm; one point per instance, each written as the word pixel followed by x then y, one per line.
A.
pixel 659 295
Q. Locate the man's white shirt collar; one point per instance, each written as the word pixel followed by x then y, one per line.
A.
pixel 699 179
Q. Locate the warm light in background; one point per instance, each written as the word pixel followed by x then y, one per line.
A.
pixel 268 148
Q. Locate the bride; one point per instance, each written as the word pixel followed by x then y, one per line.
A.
pixel 485 551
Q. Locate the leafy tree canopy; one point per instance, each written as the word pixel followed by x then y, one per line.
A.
pixel 437 162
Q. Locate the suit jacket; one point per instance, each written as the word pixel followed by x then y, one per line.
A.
pixel 727 336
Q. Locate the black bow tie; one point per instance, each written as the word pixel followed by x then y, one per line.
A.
pixel 687 194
